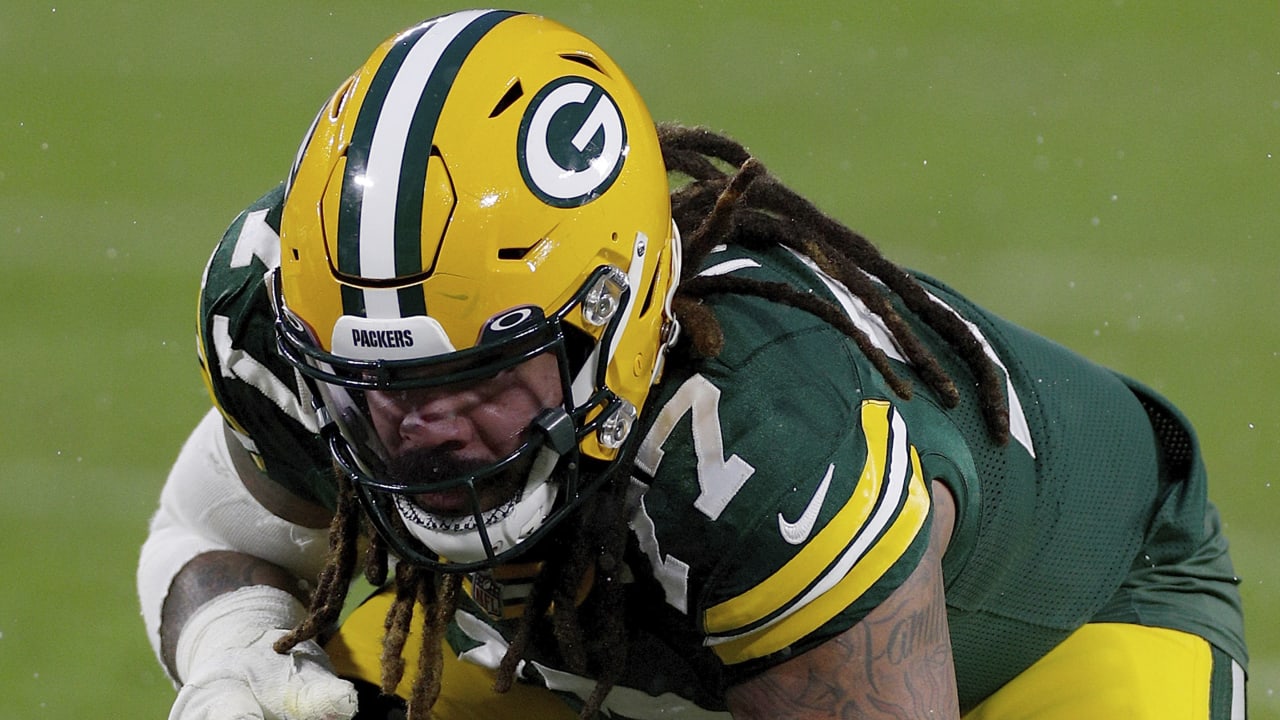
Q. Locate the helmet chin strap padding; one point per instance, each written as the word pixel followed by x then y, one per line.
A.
pixel 479 538
pixel 557 427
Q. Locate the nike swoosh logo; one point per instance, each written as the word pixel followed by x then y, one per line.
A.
pixel 798 531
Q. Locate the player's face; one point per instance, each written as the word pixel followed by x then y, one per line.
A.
pixel 440 432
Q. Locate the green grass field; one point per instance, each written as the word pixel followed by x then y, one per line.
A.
pixel 1104 174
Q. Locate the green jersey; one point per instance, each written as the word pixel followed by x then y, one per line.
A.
pixel 782 489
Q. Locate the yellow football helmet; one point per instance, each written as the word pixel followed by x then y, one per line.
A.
pixel 487 187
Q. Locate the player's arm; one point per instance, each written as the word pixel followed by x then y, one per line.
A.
pixel 895 663
pixel 217 572
pixel 221 577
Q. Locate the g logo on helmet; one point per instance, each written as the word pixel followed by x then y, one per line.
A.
pixel 572 142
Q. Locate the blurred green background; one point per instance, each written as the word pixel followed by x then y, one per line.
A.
pixel 1102 171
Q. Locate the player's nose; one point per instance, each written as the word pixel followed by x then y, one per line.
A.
pixel 438 422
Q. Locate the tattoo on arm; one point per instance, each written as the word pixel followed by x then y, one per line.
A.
pixel 207 576
pixel 908 666
pixel 896 663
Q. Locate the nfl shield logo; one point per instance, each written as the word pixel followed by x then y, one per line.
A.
pixel 487 593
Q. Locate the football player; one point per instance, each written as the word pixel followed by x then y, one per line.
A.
pixel 612 423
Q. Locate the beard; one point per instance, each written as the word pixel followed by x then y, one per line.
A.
pixel 432 466
pixel 436 466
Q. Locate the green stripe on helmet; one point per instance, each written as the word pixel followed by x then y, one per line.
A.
pixel 358 151
pixel 417 150
pixel 407 226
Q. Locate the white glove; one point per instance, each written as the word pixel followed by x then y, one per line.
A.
pixel 230 671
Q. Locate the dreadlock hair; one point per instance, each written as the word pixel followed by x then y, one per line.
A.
pixel 730 199
pixel 745 205
pixel 587 551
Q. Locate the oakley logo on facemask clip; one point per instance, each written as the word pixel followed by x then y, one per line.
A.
pixel 510 321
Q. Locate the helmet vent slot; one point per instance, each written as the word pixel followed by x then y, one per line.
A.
pixel 516 253
pixel 585 60
pixel 648 296
pixel 508 99
pixel 340 98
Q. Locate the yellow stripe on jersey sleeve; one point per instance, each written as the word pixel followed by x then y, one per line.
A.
pixel 776 636
pixel 799 573
pixel 848 559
